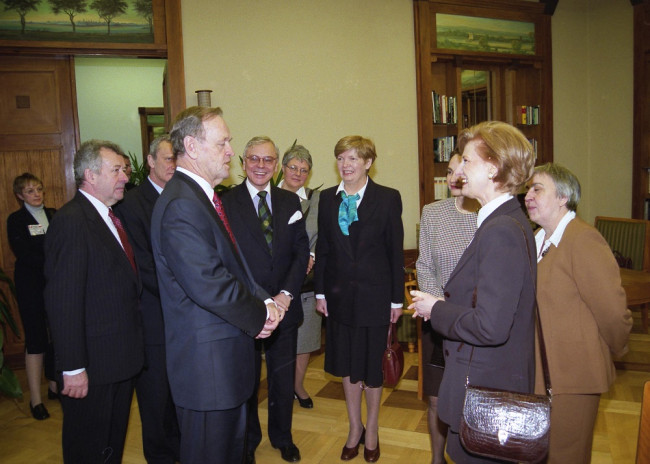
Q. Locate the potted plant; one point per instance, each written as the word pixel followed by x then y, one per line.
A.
pixel 9 384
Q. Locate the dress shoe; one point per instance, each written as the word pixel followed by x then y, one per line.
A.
pixel 39 411
pixel 52 395
pixel 351 453
pixel 371 455
pixel 290 453
pixel 307 403
pixel 250 457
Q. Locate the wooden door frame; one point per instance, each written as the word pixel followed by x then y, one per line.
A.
pixel 168 44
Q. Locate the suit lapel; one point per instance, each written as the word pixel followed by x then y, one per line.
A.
pixel 343 240
pixel 249 218
pixel 104 235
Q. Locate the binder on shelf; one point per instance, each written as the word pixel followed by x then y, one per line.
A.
pixel 440 190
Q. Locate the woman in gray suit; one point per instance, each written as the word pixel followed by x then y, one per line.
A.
pixel 487 314
pixel 359 281
pixel 296 166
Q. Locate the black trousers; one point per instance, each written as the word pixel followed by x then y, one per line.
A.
pixel 280 354
pixel 160 434
pixel 212 437
pixel 94 427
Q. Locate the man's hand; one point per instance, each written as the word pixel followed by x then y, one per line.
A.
pixel 321 306
pixel 310 264
pixel 282 301
pixel 272 322
pixel 75 386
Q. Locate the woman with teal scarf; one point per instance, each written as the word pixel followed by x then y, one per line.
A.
pixel 359 283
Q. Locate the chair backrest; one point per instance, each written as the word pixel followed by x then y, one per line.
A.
pixel 629 237
pixel 643 443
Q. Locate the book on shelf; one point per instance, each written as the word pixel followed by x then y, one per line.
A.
pixel 442 148
pixel 529 115
pixel 533 142
pixel 445 109
pixel 440 190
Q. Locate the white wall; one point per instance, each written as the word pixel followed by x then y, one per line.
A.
pixel 109 92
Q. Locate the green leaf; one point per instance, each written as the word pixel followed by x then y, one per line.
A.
pixel 9 384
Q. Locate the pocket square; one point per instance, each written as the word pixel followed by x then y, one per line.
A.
pixel 296 217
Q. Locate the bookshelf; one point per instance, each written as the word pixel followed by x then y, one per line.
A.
pixel 641 137
pixel 505 80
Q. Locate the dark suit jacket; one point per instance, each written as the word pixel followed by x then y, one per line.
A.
pixel 30 258
pixel 212 307
pixel 362 274
pixel 489 305
pixel 135 211
pixel 91 296
pixel 285 268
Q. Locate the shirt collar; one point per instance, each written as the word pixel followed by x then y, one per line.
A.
pixel 253 191
pixel 301 192
pixel 204 184
pixel 490 207
pixel 360 192
pixel 158 188
pixel 101 208
pixel 556 236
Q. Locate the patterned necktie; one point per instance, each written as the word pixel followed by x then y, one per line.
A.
pixel 348 212
pixel 218 206
pixel 265 218
pixel 123 238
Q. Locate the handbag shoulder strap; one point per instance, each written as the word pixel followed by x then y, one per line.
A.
pixel 392 334
pixel 542 345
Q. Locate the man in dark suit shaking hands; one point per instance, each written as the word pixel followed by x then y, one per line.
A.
pixel 270 231
pixel 160 435
pixel 91 298
pixel 213 309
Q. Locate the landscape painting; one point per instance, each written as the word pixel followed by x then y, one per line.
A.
pixel 104 21
pixel 485 34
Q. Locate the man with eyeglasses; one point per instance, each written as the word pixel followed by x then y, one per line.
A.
pixel 270 231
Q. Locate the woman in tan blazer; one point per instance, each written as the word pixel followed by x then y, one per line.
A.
pixel 582 307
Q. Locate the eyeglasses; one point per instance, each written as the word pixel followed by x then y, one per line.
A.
pixel 296 170
pixel 267 160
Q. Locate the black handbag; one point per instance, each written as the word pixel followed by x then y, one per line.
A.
pixel 507 425
pixel 393 360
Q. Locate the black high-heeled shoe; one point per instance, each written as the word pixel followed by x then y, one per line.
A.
pixel 39 411
pixel 306 403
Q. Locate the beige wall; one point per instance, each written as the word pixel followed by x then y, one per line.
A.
pixel 592 101
pixel 317 71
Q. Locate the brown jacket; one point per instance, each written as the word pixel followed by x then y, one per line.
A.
pixel 583 310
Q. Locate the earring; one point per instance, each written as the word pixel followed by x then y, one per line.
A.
pixel 490 176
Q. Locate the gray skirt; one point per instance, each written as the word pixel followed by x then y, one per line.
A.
pixel 310 330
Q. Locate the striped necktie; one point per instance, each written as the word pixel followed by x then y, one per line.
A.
pixel 265 218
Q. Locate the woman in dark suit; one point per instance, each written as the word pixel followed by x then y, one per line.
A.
pixel 359 283
pixel 487 313
pixel 26 229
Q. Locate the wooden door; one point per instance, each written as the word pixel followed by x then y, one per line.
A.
pixel 39 133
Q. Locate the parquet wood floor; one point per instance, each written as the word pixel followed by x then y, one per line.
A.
pixel 321 432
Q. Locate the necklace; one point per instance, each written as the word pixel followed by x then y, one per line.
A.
pixel 461 210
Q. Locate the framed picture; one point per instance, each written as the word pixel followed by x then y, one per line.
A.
pixel 470 33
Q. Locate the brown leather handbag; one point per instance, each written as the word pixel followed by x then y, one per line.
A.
pixel 508 425
pixel 393 361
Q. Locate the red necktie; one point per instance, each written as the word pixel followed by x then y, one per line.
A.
pixel 123 238
pixel 218 206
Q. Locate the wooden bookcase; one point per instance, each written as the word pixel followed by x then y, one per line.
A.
pixel 641 137
pixel 514 80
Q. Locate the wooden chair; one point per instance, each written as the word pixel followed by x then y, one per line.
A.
pixel 643 443
pixel 631 239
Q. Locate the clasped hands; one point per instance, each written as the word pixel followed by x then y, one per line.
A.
pixel 423 304
pixel 276 310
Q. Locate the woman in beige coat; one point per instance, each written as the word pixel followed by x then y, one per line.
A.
pixel 582 307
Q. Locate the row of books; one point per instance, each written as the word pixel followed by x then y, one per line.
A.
pixel 442 148
pixel 529 115
pixel 440 189
pixel 445 109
